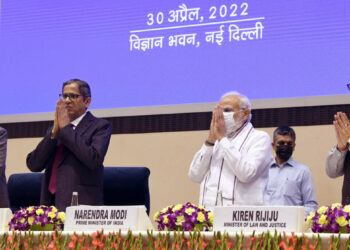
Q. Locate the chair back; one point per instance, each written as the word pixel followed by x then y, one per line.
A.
pixel 122 186
pixel 24 190
pixel 126 186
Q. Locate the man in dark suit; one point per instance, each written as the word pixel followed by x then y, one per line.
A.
pixel 72 151
pixel 4 201
pixel 338 159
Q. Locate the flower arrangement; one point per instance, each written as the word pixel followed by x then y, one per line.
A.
pixel 170 240
pixel 331 219
pixel 184 217
pixel 37 216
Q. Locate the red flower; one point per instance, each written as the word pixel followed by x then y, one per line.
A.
pixel 9 239
pixel 71 244
pixel 52 245
pixel 74 237
pixel 283 244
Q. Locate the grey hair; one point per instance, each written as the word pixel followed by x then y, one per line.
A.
pixel 244 102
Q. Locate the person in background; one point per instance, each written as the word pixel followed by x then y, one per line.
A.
pixel 338 159
pixel 4 200
pixel 290 182
pixel 233 163
pixel 72 151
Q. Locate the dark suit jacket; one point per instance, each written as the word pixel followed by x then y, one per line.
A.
pixel 346 181
pixel 4 200
pixel 81 166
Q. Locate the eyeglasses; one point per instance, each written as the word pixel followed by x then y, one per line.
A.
pixel 70 96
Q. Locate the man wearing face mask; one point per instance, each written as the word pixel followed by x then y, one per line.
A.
pixel 233 163
pixel 290 182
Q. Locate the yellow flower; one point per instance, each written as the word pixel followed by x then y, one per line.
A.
pixel 165 219
pixel 156 215
pixel 201 207
pixel 210 217
pixel 165 209
pixel 179 220
pixel 61 216
pixel 347 209
pixel 200 217
pixel 39 211
pixel 322 210
pixel 189 210
pixel 323 220
pixel 30 209
pixel 334 205
pixel 177 207
pixel 53 209
pixel 341 221
pixel 30 220
pixel 51 215
pixel 309 219
pixel 23 220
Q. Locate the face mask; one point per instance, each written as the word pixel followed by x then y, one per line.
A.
pixel 284 152
pixel 231 124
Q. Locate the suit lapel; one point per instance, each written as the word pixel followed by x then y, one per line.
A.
pixel 83 125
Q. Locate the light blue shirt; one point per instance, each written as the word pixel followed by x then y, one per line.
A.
pixel 291 185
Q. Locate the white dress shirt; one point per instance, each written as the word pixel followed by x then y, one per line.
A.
pixel 238 167
pixel 77 121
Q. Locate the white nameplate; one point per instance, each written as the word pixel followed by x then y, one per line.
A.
pixel 108 218
pixel 259 218
pixel 5 217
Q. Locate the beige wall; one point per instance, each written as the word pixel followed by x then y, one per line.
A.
pixel 168 156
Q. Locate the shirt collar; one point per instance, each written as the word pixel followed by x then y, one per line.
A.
pixel 76 122
pixel 289 163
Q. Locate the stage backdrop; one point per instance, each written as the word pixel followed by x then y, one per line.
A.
pixel 155 52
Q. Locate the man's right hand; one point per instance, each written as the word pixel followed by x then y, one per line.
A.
pixel 55 128
pixel 211 137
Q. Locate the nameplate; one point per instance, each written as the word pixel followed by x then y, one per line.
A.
pixel 108 218
pixel 259 218
pixel 5 217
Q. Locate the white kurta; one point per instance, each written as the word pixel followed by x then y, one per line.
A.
pixel 239 168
